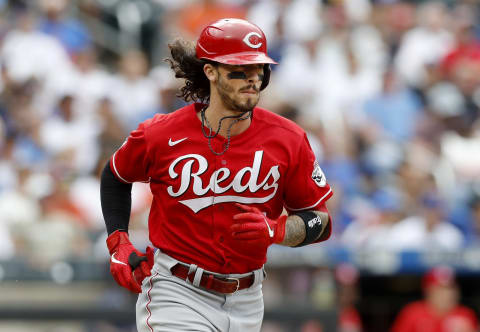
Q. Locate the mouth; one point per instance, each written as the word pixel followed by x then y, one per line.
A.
pixel 250 89
pixel 250 92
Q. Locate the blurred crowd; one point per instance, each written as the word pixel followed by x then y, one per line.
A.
pixel 388 91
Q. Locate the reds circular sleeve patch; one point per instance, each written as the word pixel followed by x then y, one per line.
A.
pixel 318 176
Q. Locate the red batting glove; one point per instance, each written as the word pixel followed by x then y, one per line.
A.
pixel 253 225
pixel 128 266
pixel 141 265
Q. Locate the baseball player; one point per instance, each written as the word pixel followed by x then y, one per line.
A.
pixel 221 171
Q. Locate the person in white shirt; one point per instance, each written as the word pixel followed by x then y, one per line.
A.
pixel 425 44
pixel 427 231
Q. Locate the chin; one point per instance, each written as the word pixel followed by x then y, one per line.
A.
pixel 250 102
pixel 246 107
pixel 240 104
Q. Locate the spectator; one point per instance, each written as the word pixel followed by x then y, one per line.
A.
pixel 393 19
pixel 72 33
pixel 19 210
pixel 8 175
pixel 440 310
pixel 394 113
pixel 375 231
pixel 28 53
pixel 474 205
pixel 7 247
pixel 466 215
pixel 133 93
pixel 460 148
pixel 112 130
pixel 312 325
pixel 466 47
pixel 167 87
pixel 70 139
pixel 425 44
pixel 349 319
pixel 194 16
pixel 80 192
pixel 90 84
pixel 427 231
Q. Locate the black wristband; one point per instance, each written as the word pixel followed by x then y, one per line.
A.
pixel 313 227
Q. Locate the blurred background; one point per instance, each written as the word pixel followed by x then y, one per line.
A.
pixel 388 91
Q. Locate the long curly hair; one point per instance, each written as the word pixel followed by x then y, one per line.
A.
pixel 187 66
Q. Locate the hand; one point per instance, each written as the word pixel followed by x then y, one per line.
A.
pixel 128 266
pixel 253 225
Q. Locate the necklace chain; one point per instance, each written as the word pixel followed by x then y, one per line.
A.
pixel 237 118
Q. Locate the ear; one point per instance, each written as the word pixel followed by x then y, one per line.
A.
pixel 210 71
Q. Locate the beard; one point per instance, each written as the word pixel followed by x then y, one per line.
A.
pixel 224 90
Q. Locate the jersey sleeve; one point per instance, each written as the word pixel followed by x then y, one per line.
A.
pixel 468 316
pixel 405 320
pixel 130 162
pixel 307 187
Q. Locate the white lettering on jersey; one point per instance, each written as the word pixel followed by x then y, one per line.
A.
pixel 217 183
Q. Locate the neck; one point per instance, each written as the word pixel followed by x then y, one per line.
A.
pixel 216 111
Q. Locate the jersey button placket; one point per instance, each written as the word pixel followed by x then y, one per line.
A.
pixel 217 208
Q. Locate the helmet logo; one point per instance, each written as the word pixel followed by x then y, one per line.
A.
pixel 247 41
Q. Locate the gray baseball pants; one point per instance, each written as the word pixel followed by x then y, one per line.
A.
pixel 168 303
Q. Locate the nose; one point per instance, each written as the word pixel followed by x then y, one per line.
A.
pixel 254 77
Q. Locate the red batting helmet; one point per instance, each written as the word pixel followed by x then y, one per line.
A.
pixel 233 41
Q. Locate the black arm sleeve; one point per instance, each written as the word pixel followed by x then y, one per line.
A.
pixel 116 199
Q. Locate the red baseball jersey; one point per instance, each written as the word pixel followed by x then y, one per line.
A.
pixel 270 165
pixel 419 317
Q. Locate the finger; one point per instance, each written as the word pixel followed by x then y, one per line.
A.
pixel 245 227
pixel 244 207
pixel 138 276
pixel 125 279
pixel 248 208
pixel 250 235
pixel 121 276
pixel 150 256
pixel 136 288
pixel 133 285
pixel 146 269
pixel 116 277
pixel 141 273
pixel 247 216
